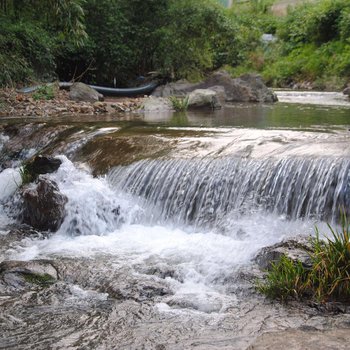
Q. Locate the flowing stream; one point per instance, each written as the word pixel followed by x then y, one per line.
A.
pixel 164 219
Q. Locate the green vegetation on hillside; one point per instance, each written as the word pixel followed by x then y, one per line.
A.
pixel 102 40
pixel 313 44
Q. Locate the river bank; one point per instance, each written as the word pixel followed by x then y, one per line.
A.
pixel 13 103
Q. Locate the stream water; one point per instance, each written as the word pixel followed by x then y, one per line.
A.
pixel 164 216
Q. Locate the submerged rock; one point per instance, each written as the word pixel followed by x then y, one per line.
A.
pixel 295 249
pixel 203 98
pixel 83 92
pixel 44 205
pixel 20 275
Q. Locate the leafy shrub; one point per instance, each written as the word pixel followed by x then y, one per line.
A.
pixel 314 23
pixel 45 92
pixel 24 53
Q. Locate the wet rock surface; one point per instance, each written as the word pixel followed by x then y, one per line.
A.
pixel 43 165
pixel 44 205
pixel 16 276
pixel 97 303
pixel 297 339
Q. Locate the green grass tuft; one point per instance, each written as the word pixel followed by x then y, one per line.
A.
pixel 180 104
pixel 327 280
pixel 25 174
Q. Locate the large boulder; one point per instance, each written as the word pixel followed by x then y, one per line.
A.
pixel 203 98
pixel 44 205
pixel 83 92
pixel 156 104
pixel 178 89
pixel 247 88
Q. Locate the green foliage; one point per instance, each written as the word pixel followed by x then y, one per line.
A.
pixel 26 175
pixel 327 280
pixel 31 32
pixel 313 44
pixel 315 23
pixel 194 34
pixel 286 280
pixel 180 104
pixel 44 92
pixel 103 40
pixel 330 275
pixel 24 53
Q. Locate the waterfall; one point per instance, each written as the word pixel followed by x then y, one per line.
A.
pixel 201 191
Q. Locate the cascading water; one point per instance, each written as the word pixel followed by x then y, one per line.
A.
pixel 201 192
pixel 160 251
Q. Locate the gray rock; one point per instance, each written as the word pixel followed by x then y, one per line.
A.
pixel 220 93
pixel 178 89
pixel 203 98
pixel 156 104
pixel 44 205
pixel 43 165
pixel 295 249
pixel 83 92
pixel 346 91
pixel 21 275
pixel 247 88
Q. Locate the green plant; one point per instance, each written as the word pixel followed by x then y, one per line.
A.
pixel 328 279
pixel 285 280
pixel 45 92
pixel 25 174
pixel 180 104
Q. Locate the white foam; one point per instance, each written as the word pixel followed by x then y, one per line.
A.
pixel 202 260
pixel 320 98
pixel 93 207
pixel 10 180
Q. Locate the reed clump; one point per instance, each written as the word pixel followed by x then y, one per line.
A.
pixel 328 278
pixel 180 104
